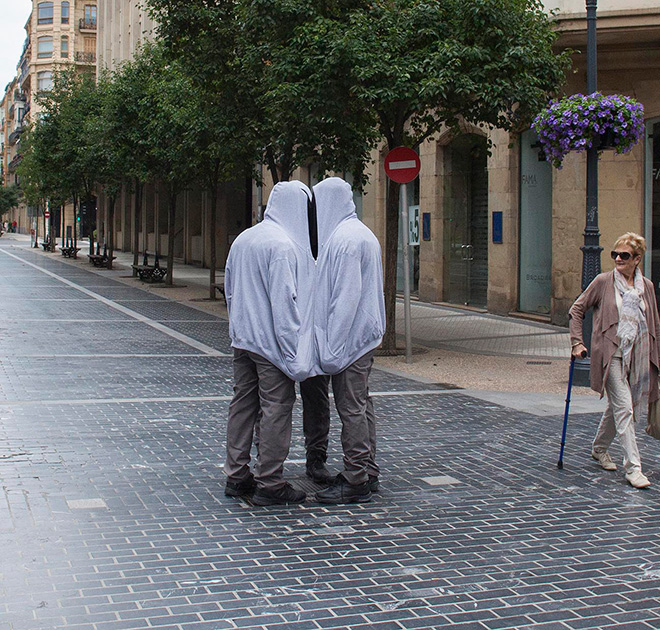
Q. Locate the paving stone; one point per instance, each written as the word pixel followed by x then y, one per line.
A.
pixel 141 435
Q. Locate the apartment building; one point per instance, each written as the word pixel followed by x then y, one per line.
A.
pixel 58 33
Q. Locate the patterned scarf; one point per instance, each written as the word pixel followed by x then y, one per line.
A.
pixel 634 338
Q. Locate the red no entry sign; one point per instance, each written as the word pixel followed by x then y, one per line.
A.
pixel 47 214
pixel 402 165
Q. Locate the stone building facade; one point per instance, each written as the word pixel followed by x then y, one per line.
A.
pixel 58 33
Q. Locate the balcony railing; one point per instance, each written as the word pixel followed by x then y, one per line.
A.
pixel 86 57
pixel 14 135
pixel 13 165
pixel 19 96
pixel 87 24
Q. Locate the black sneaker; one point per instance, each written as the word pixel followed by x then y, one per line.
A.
pixel 374 484
pixel 343 492
pixel 286 495
pixel 317 471
pixel 240 488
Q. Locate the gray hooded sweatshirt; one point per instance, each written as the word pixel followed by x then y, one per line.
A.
pixel 349 312
pixel 269 283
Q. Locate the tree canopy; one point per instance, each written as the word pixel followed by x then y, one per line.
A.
pixel 9 198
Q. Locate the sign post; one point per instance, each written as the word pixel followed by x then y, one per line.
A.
pixel 402 166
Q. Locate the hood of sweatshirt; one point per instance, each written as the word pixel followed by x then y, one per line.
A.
pixel 334 202
pixel 287 208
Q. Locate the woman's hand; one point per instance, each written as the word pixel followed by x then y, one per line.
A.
pixel 579 351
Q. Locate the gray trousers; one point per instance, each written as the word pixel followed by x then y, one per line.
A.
pixel 618 418
pixel 356 411
pixel 262 394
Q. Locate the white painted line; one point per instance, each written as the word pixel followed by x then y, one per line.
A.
pixel 193 343
pixel 86 504
pixel 442 480
pixel 395 166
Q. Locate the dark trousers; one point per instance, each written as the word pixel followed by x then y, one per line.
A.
pixel 316 416
pixel 263 394
pixel 356 411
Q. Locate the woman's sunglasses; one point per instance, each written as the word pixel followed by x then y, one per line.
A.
pixel 621 255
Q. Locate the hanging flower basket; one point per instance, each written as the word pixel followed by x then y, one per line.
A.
pixel 579 122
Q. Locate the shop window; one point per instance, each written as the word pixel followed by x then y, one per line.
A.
pixel 44 47
pixel 65 12
pixel 64 46
pixel 45 13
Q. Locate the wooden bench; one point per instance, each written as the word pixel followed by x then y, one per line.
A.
pixel 98 259
pixel 150 273
pixel 46 245
pixel 70 252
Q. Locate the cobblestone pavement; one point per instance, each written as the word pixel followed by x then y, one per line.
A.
pixel 113 405
pixel 439 326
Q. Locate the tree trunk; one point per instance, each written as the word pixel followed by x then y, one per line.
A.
pixel 136 225
pixel 212 227
pixel 391 247
pixel 171 221
pixel 75 222
pixel 110 230
pixel 63 210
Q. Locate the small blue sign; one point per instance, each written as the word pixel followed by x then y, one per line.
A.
pixel 497 227
pixel 426 226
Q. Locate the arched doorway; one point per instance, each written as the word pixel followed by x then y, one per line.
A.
pixel 466 209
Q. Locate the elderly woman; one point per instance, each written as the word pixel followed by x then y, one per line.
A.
pixel 624 351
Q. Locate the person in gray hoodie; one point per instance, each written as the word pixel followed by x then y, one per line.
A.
pixel 349 324
pixel 269 287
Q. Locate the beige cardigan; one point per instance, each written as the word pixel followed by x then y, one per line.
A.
pixel 604 341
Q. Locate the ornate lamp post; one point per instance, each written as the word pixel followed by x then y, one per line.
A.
pixel 591 249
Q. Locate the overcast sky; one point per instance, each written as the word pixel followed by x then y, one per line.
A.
pixel 13 16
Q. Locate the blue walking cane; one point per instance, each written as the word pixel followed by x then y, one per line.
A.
pixel 560 463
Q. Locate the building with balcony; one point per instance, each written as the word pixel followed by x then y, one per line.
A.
pixel 58 33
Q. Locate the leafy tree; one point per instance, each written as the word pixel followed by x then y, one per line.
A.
pixel 70 106
pixel 222 129
pixel 164 108
pixel 9 198
pixel 41 167
pixel 323 79
pixel 270 64
pixel 422 66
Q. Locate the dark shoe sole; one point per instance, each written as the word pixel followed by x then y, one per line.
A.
pixel 355 499
pixel 321 480
pixel 265 501
pixel 237 493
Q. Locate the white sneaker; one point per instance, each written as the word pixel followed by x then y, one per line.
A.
pixel 637 479
pixel 604 460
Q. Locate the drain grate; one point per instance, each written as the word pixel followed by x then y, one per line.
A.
pixel 539 362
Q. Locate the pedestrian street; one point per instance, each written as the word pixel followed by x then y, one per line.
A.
pixel 113 408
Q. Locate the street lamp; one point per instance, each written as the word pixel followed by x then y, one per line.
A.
pixel 591 249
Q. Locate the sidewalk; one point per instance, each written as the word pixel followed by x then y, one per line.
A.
pixel 487 355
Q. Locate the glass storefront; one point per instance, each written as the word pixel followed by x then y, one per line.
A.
pixel 466 206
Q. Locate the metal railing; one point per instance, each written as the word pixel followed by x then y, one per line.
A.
pixel 86 57
pixel 87 24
